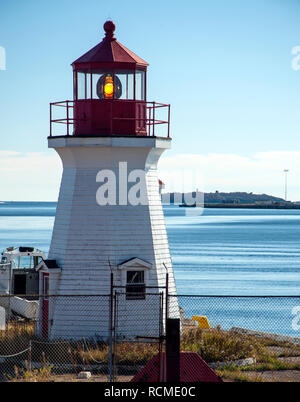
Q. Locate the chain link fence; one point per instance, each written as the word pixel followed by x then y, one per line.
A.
pixel 242 338
pixel 54 337
pixel 137 332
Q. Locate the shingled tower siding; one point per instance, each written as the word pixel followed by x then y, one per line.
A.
pixel 89 238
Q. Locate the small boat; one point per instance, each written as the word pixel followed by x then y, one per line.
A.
pixel 18 275
pixel 19 278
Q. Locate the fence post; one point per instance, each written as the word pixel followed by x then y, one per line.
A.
pixel 111 326
pixel 114 343
pixel 161 338
pixel 30 355
pixel 167 297
pixel 10 293
pixel 166 321
pixel 173 350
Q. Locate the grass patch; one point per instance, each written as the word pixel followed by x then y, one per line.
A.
pixel 238 375
pixel 273 364
pixel 42 374
pixel 126 353
pixel 216 345
pixel 16 337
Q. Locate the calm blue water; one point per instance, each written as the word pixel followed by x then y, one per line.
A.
pixel 235 251
pixel 222 252
pixel 28 224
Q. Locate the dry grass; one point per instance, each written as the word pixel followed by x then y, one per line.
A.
pixel 16 337
pixel 126 353
pixel 42 374
pixel 216 345
pixel 213 345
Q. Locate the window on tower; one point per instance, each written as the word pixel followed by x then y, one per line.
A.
pixel 135 285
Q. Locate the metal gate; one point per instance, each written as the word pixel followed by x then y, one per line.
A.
pixel 137 330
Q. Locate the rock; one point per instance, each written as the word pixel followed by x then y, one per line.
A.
pixel 84 375
pixel 236 363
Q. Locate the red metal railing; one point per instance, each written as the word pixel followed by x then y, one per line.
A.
pixel 67 120
pixel 149 121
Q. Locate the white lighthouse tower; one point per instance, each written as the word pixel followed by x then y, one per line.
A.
pixel 109 217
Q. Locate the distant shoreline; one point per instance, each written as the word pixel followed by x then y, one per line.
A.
pixel 242 206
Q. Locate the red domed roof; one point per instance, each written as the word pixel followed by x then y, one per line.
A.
pixel 109 53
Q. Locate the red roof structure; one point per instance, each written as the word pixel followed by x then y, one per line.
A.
pixel 110 94
pixel 109 50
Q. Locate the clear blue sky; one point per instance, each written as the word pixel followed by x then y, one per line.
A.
pixel 225 67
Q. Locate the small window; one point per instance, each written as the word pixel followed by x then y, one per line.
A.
pixel 135 285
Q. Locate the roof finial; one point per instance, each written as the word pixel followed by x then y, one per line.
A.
pixel 109 28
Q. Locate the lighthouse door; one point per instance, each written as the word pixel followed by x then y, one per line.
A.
pixel 45 305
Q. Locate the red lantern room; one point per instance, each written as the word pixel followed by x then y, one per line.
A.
pixel 110 93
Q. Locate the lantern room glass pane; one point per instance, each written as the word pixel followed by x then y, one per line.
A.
pixel 81 89
pixel 140 85
pixel 107 84
pixel 124 79
pixel 88 86
pixel 83 85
